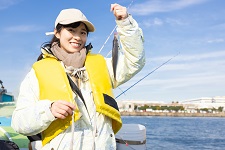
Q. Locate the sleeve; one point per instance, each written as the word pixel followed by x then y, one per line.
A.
pixel 31 116
pixel 131 57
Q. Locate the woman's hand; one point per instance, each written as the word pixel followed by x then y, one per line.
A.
pixel 119 11
pixel 61 109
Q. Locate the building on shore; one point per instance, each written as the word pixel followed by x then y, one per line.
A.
pixel 191 105
pixel 130 105
pixel 7 104
pixel 204 102
pixel 4 96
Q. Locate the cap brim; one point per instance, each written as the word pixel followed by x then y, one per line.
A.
pixel 89 25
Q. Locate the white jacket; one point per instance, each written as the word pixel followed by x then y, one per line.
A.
pixel 32 116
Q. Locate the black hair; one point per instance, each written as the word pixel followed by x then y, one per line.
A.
pixel 59 27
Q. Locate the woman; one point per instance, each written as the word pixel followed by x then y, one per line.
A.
pixel 67 96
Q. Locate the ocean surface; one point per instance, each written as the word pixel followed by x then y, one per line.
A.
pixel 177 133
pixel 182 133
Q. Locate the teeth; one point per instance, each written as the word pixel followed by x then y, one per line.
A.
pixel 75 44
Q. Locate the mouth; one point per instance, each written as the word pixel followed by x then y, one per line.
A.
pixel 75 45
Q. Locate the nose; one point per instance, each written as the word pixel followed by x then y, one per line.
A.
pixel 76 36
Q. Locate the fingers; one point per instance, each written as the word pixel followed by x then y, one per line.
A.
pixel 113 6
pixel 119 11
pixel 61 109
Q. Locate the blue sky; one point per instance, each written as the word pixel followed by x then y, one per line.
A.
pixel 193 28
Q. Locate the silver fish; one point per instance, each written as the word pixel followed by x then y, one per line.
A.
pixel 115 54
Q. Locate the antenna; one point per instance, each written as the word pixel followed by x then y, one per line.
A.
pixel 1 84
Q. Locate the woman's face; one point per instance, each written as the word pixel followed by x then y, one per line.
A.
pixel 72 39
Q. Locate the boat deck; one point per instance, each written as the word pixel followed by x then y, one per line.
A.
pixel 19 139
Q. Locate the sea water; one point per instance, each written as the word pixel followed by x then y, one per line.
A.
pixel 176 133
pixel 182 133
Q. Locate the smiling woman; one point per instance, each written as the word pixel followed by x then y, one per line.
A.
pixel 69 90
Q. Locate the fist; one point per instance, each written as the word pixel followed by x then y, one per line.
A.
pixel 119 11
pixel 61 109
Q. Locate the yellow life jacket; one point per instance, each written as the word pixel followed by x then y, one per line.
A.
pixel 102 89
pixel 54 85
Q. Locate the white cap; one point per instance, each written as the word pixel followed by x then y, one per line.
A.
pixel 68 16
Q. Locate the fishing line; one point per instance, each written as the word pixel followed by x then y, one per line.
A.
pixel 148 74
pixel 126 143
pixel 113 30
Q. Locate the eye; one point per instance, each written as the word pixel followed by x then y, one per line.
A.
pixel 84 33
pixel 71 30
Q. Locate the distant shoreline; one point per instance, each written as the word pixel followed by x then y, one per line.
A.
pixel 6 110
pixel 176 114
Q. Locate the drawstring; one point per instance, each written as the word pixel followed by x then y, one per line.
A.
pixel 77 72
pixel 76 75
pixel 72 132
